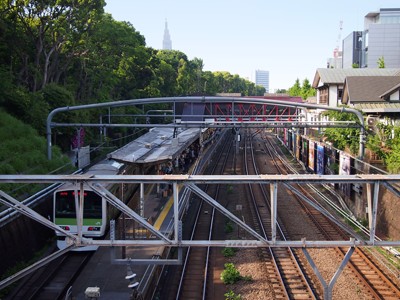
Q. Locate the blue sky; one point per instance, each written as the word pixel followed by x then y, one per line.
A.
pixel 290 39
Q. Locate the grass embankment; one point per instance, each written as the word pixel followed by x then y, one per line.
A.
pixel 24 151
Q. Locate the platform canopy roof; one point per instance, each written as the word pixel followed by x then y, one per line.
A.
pixel 156 146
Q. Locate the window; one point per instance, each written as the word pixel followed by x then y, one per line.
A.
pixel 65 205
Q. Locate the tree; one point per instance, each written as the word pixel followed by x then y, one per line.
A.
pixel 295 90
pixel 384 141
pixel 55 29
pixel 303 91
pixel 115 53
pixel 307 90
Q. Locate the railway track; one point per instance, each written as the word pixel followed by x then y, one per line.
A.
pixel 52 281
pixel 293 284
pixel 192 279
pixel 368 273
pixel 287 272
pixel 195 275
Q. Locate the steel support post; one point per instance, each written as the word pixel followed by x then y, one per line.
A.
pixel 328 287
pixel 79 202
pixel 274 208
pixel 141 199
pixel 176 210
pixel 372 198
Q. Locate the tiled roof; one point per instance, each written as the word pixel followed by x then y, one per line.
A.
pixel 368 88
pixel 337 76
pixel 384 107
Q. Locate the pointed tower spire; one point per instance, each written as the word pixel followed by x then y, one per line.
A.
pixel 167 43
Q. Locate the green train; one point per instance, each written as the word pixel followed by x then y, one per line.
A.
pixel 96 211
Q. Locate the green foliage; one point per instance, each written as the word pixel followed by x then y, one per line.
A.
pixel 385 142
pixel 57 96
pixel 343 138
pixel 230 274
pixel 228 227
pixel 295 90
pixel 58 53
pixel 381 62
pixel 229 252
pixel 304 91
pixel 22 151
pixel 230 295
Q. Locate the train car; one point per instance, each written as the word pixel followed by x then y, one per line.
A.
pixel 96 212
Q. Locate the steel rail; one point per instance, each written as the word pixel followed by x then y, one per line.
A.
pixel 364 277
pixel 307 286
pixel 185 265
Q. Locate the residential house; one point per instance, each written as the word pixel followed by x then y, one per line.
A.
pixel 377 97
pixel 330 83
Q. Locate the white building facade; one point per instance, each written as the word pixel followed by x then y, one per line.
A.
pixel 262 79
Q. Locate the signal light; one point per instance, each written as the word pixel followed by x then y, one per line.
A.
pixel 84 193
pixel 91 228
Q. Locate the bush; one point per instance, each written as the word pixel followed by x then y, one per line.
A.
pixel 232 296
pixel 228 252
pixel 228 227
pixel 230 274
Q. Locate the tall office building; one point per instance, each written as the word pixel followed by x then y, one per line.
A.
pixel 262 79
pixel 167 43
pixel 382 38
pixel 352 50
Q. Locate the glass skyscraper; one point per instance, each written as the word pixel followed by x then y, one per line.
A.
pixel 262 79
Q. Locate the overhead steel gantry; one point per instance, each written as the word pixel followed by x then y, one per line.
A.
pixel 373 182
pixel 191 182
pixel 214 112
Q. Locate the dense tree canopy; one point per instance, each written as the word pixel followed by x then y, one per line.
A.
pixel 69 52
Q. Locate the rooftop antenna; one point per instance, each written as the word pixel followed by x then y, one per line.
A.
pixel 336 51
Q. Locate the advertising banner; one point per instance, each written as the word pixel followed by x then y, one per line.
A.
pixel 320 159
pixel 298 147
pixel 311 156
pixel 305 152
pixel 345 169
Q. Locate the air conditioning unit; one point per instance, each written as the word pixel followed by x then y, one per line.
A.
pixel 372 121
pixel 148 145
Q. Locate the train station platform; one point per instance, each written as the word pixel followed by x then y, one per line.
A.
pixel 101 272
